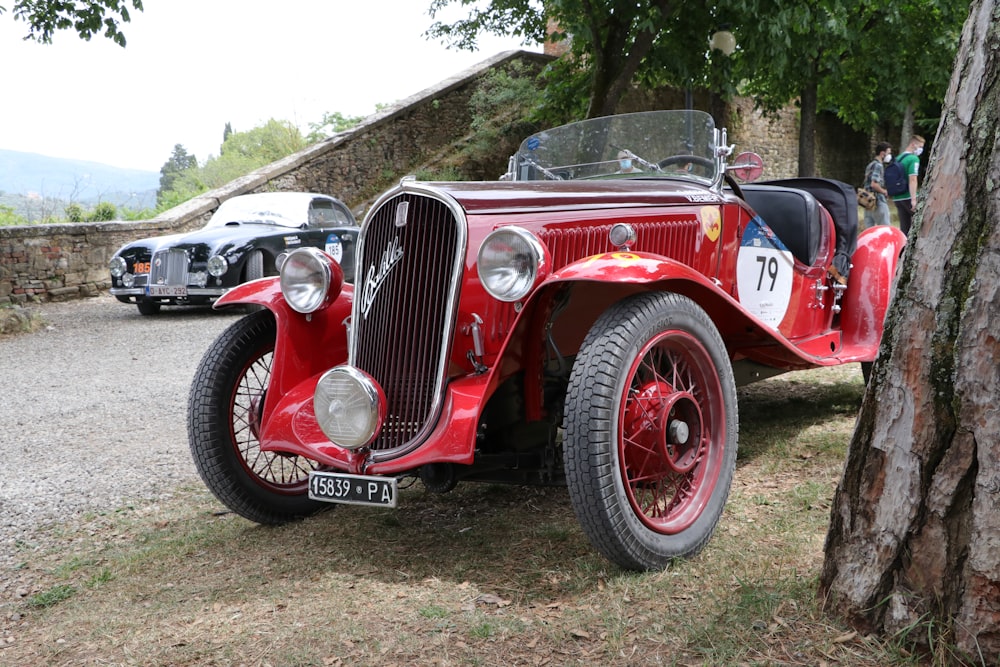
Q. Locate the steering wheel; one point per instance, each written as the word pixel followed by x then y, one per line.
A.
pixel 707 164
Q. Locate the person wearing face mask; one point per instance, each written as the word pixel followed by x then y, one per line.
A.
pixel 875 182
pixel 906 203
pixel 625 164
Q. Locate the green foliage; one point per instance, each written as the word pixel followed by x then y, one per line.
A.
pixel 53 596
pixel 9 218
pixel 178 163
pixel 503 109
pixel 240 154
pixel 86 17
pixel 264 144
pixel 869 61
pixel 102 212
pixel 74 213
pixel 520 18
pixel 331 124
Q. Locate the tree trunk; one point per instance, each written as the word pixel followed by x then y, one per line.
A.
pixel 914 541
pixel 906 132
pixel 807 129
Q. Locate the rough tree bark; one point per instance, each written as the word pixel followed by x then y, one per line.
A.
pixel 914 541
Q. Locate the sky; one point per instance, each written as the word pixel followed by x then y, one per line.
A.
pixel 191 66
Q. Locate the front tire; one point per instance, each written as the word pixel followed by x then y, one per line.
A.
pixel 224 409
pixel 147 306
pixel 253 270
pixel 651 431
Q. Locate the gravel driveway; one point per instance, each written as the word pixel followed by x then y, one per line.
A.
pixel 93 410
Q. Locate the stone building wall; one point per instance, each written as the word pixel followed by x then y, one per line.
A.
pixel 55 262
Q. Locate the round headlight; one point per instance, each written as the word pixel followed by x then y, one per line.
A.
pixel 117 266
pixel 349 407
pixel 309 279
pixel 217 266
pixel 128 280
pixel 511 260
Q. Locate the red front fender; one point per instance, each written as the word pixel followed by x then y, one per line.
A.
pixel 306 345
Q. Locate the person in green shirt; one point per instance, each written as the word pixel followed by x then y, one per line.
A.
pixel 906 203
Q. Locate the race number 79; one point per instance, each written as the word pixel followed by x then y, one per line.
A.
pixel 764 281
pixel 769 268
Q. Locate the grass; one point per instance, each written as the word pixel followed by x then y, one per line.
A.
pixel 15 319
pixel 485 575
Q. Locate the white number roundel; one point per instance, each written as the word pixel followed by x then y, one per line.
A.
pixel 764 274
pixel 334 247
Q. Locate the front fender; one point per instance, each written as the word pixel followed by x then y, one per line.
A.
pixel 870 288
pixel 628 272
pixel 305 345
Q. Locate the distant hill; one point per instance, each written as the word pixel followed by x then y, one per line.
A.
pixel 79 181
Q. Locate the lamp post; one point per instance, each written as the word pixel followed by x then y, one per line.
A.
pixel 723 40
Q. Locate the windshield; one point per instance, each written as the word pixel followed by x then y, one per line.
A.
pixel 261 209
pixel 676 144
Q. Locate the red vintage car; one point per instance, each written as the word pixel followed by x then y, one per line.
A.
pixel 583 321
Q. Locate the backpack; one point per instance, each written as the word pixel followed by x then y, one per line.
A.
pixel 896 181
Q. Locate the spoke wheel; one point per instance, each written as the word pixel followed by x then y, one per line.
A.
pixel 224 424
pixel 651 425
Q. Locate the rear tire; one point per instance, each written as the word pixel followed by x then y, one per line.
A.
pixel 224 409
pixel 651 431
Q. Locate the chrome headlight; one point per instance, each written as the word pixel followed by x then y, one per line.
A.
pixel 511 261
pixel 349 407
pixel 309 280
pixel 217 266
pixel 117 266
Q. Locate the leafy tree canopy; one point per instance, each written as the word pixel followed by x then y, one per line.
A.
pixel 867 60
pixel 86 17
pixel 240 153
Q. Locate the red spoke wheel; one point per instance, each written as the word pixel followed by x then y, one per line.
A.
pixel 224 412
pixel 651 431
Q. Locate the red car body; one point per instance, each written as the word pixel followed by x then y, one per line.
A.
pixel 468 386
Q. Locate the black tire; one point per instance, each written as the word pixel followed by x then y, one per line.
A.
pixel 651 380
pixel 223 421
pixel 252 270
pixel 147 306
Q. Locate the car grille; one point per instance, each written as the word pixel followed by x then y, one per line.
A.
pixel 169 267
pixel 409 261
pixel 676 239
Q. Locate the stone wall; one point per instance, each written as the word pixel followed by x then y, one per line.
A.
pixel 56 262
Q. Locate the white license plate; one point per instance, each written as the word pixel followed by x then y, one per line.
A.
pixel 338 487
pixel 167 290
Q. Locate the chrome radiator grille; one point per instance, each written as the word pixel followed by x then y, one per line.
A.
pixel 169 267
pixel 410 255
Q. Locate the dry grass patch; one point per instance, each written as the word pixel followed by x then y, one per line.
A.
pixel 486 575
pixel 15 319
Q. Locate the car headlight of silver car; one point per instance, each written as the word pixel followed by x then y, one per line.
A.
pixel 310 279
pixel 511 262
pixel 117 266
pixel 217 266
pixel 349 407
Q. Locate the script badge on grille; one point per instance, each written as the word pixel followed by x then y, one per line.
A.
pixel 402 210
